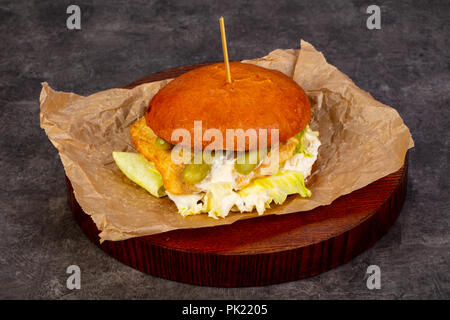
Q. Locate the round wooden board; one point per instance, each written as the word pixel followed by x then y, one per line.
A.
pixel 268 249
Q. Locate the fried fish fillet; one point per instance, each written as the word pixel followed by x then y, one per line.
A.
pixel 144 139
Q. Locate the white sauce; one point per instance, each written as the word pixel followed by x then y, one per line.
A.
pixel 222 170
pixel 301 163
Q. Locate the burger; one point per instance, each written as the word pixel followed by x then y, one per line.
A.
pixel 215 147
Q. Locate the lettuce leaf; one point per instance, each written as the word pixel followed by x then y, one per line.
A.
pixel 141 171
pixel 219 199
pixel 188 204
pixel 276 188
pixel 302 146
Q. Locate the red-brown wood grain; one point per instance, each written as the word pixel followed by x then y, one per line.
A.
pixel 265 250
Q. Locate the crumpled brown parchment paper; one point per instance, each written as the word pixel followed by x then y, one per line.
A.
pixel 362 139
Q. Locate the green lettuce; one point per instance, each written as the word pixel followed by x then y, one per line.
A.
pixel 302 146
pixel 141 171
pixel 219 199
pixel 277 187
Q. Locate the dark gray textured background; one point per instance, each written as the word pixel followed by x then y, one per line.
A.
pixel 406 64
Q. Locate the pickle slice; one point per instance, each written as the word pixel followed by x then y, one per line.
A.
pixel 246 162
pixel 195 173
pixel 163 144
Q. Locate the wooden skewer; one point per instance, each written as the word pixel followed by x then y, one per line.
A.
pixel 224 47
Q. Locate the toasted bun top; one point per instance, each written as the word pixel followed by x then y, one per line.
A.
pixel 257 98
